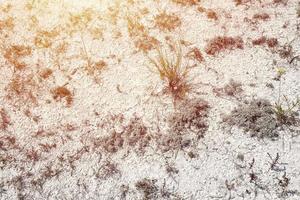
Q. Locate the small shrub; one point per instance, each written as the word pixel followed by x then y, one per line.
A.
pixel 145 43
pixel 190 117
pixel 7 24
pixel 45 73
pixel 211 14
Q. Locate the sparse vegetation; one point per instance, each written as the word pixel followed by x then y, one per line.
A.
pixel 4 119
pixel 62 93
pixel 256 117
pixel 220 44
pixel 167 22
pixel 172 70
pixel 233 88
pixel 81 117
pixel 188 124
pixel 285 114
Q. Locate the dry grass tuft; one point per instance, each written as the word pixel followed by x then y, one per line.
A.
pixel 167 22
pixel 196 54
pixel 44 39
pixel 7 24
pixel 271 42
pixel 15 53
pixel 140 35
pixel 172 71
pixel 62 93
pixel 22 90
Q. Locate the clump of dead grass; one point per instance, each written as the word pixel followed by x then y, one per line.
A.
pixel 210 14
pixel 167 22
pixel 62 92
pixel 44 39
pixel 22 90
pixel 271 42
pixel 220 44
pixel 15 53
pixel 7 24
pixel 196 54
pixel 140 34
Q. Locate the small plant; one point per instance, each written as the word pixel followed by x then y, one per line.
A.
pixel 220 44
pixel 4 119
pixel 108 170
pixel 172 71
pixel 140 34
pixel 148 188
pixel 167 22
pixel 62 92
pixel 255 117
pixel 15 53
pixel 284 113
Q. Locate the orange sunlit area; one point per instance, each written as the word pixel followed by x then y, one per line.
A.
pixel 149 99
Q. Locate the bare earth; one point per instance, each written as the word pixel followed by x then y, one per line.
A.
pixel 85 114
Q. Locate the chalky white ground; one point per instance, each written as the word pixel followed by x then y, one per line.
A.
pixel 127 86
